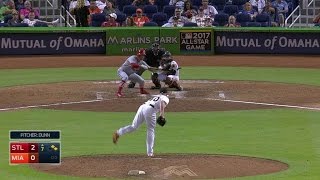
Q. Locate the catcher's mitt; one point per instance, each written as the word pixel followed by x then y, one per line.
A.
pixel 161 121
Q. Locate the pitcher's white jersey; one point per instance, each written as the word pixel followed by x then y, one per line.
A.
pixel 156 101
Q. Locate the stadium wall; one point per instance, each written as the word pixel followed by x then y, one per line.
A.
pixel 180 41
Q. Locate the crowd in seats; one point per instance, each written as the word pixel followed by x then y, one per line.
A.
pixel 20 13
pixel 166 13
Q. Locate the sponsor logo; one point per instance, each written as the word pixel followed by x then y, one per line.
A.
pixel 177 171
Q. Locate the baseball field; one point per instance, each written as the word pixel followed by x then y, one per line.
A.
pixel 242 117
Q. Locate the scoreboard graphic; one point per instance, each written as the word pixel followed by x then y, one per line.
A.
pixel 34 147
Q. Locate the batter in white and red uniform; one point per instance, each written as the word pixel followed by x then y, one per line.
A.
pixel 128 71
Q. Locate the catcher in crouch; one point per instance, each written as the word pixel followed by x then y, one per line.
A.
pixel 169 71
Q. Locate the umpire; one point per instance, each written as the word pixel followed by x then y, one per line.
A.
pixel 152 58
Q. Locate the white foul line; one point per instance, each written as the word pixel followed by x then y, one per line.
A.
pixel 48 105
pixel 266 104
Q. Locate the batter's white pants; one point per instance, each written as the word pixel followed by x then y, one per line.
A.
pixel 148 114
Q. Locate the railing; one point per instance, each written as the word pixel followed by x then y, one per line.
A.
pixel 53 6
pixel 291 17
pixel 312 2
pixel 66 17
pixel 305 5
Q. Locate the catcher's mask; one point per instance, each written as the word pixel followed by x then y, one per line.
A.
pixel 166 57
pixel 155 48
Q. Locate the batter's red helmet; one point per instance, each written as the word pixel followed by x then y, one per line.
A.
pixel 141 52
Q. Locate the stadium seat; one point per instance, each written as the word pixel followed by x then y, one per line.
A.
pixel 221 19
pixel 243 19
pixel 150 24
pixel 263 19
pixel 196 2
pixel 169 10
pixel 121 3
pixel 159 18
pixel 3 25
pixel 219 4
pixel 149 10
pixel 161 3
pixel 239 3
pixel 121 17
pixel 253 24
pixel 129 10
pixel 21 25
pixel 97 19
pixel 40 24
pixel 231 9
pixel 190 24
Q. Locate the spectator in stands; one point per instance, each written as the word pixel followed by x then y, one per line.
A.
pixel 73 5
pixel 19 4
pixel 268 9
pixel 282 7
pixel 208 9
pixel 139 3
pixel 177 3
pixel 15 19
pixel 316 20
pixel 31 20
pixel 129 22
pixel 7 10
pixel 140 19
pixel 188 9
pixel 81 12
pixel 93 9
pixel 176 22
pixel 152 2
pixel 111 22
pixel 232 22
pixel 27 8
pixel 249 10
pixel 202 19
pixel 101 4
pixel 259 4
pixel 177 13
pixel 110 8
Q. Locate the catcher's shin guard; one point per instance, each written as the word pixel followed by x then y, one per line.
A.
pixel 155 80
pixel 131 85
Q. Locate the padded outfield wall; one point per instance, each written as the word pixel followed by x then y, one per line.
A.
pixel 180 41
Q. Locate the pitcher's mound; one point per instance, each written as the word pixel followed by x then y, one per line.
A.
pixel 170 166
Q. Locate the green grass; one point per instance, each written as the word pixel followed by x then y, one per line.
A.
pixel 14 77
pixel 287 135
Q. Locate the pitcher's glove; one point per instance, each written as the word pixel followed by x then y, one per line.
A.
pixel 161 121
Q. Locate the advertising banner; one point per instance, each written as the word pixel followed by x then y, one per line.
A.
pixel 125 41
pixel 52 43
pixel 188 40
pixel 267 42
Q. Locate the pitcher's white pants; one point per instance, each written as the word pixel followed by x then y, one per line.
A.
pixel 148 114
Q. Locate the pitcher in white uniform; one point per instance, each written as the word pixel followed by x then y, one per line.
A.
pixel 128 71
pixel 147 112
